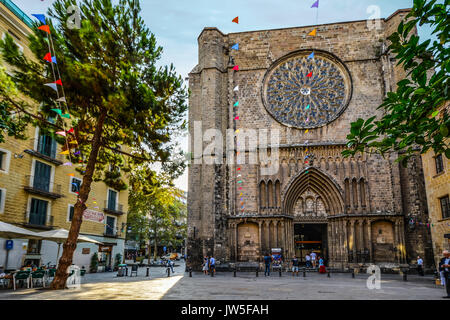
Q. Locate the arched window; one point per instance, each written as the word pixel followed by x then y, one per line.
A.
pixel 278 194
pixel 270 194
pixel 262 195
pixel 355 193
pixel 362 192
pixel 347 193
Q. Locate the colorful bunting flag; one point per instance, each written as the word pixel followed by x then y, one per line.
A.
pixel 306 131
pixel 307 107
pixel 51 85
pixel 40 17
pixel 62 99
pixel 313 33
pixel 70 130
pixel 235 46
pixel 54 60
pixel 316 4
pixel 66 115
pixel 309 75
pixel 236 104
pixel 71 174
pixel 61 133
pixel 48 57
pixel 58 82
pixel 237 118
pixel 236 88
pixel 45 28
pixel 311 56
pixel 237 131
pixel 77 153
pixel 236 67
pixel 235 20
pixel 73 142
pixel 58 111
pixel 67 164
pixel 64 152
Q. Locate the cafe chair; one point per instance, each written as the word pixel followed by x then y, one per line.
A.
pixel 36 275
pixel 20 276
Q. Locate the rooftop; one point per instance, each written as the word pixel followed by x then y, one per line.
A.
pixel 17 12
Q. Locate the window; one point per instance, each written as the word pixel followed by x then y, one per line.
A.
pixel 439 164
pixel 5 157
pixel 38 212
pixel 75 185
pixel 2 200
pixel 34 246
pixel 71 211
pixel 445 207
pixel 112 200
pixel 110 226
pixel 42 173
pixel 46 146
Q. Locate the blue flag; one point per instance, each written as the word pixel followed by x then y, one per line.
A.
pixel 316 4
pixel 311 56
pixel 235 46
pixel 40 17
pixel 54 60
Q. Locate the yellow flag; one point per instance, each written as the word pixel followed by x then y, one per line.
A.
pixel 71 174
pixel 306 131
pixel 313 33
pixel 73 142
pixel 64 152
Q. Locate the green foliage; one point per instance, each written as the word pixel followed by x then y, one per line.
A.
pixel 108 68
pixel 415 117
pixel 94 263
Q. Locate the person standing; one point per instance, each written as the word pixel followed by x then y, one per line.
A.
pixel 308 260
pixel 420 266
pixel 212 265
pixel 313 259
pixel 444 266
pixel 322 268
pixel 205 265
pixel 267 261
pixel 295 266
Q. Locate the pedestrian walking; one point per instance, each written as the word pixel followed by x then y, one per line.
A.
pixel 322 268
pixel 313 259
pixel 444 267
pixel 205 265
pixel 308 260
pixel 420 266
pixel 212 265
pixel 267 262
pixel 295 266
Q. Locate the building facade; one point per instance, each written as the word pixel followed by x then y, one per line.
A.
pixel 38 193
pixel 300 194
pixel 437 180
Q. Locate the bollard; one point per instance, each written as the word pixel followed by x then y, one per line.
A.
pixel 234 273
pixel 280 273
pixel 148 272
pixel 212 273
pixel 256 272
pixel 328 275
pixel 304 273
pixel 190 272
pixel 168 272
pixel 353 274
pixel 126 271
pixel 405 276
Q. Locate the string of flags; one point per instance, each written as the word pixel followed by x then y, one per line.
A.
pixel 236 118
pixel 62 108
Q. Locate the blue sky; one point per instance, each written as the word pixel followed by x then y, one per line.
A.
pixel 177 23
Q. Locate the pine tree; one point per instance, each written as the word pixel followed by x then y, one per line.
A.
pixel 115 93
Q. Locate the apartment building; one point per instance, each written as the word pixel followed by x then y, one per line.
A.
pixel 38 193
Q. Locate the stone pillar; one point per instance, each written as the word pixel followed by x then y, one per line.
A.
pixel 275 227
pixel 236 241
pixel 397 245
pixel 260 253
pixel 369 239
pixel 361 234
pixel 344 222
pixel 352 245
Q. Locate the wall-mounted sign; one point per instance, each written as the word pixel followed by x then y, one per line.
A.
pixel 86 251
pixel 9 244
pixel 92 215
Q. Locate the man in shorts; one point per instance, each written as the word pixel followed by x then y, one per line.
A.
pixel 295 266
pixel 212 265
pixel 313 259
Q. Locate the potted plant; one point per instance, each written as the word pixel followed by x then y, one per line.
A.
pixel 117 261
pixel 94 263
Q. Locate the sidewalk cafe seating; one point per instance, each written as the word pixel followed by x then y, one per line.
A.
pixel 38 274
pixel 50 274
pixel 20 276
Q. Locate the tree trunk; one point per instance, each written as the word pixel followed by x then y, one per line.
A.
pixel 59 281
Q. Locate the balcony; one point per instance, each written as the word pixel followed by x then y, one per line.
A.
pixel 56 160
pixel 41 187
pixel 36 221
pixel 113 209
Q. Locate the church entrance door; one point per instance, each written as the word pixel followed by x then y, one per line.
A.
pixel 310 237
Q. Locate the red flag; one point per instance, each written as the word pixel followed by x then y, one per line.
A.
pixel 48 57
pixel 45 28
pixel 236 20
pixel 309 75
pixel 58 82
pixel 70 131
pixel 236 67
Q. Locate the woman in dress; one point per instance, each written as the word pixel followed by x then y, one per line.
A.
pixel 205 265
pixel 322 266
